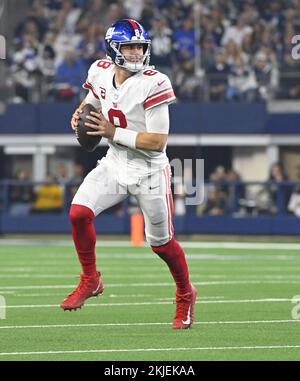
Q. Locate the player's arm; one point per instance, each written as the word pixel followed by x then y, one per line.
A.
pixel 91 97
pixel 151 141
pixel 157 124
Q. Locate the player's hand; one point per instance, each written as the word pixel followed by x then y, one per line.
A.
pixel 75 117
pixel 101 125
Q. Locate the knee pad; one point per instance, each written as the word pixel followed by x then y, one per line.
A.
pixel 81 214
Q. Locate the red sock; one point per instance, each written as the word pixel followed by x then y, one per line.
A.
pixel 84 237
pixel 174 257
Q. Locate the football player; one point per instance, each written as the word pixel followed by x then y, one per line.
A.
pixel 132 100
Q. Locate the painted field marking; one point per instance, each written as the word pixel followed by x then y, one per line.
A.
pixel 160 284
pixel 265 300
pixel 246 322
pixel 186 244
pixel 151 350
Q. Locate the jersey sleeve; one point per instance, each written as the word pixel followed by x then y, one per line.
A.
pixel 157 119
pixel 89 83
pixel 161 91
pixel 90 98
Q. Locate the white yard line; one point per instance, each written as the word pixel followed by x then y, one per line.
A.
pixel 156 284
pixel 239 277
pixel 243 322
pixel 184 349
pixel 190 256
pixel 63 293
pixel 240 245
pixel 58 242
pixel 186 244
pixel 229 301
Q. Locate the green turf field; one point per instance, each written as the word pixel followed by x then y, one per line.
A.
pixel 244 308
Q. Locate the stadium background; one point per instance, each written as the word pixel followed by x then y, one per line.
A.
pixel 238 109
pixel 238 93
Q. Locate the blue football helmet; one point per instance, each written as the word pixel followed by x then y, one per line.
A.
pixel 125 32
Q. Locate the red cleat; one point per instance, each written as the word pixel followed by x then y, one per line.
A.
pixel 185 310
pixel 88 287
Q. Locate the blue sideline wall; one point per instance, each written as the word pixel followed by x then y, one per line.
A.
pixel 190 224
pixel 187 118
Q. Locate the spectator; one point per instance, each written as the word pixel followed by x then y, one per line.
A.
pixel 242 82
pixel 211 31
pixel 47 66
pixel 207 52
pixel 218 177
pixel 53 5
pixel 62 175
pixel 21 195
pixel 294 201
pixel 252 42
pixel 134 8
pixel 236 33
pixel 266 76
pixel 218 77
pixel 76 179
pixel 35 22
pixel 69 77
pixel 235 189
pixel 217 25
pixel 149 12
pixel 94 14
pixel 67 18
pixel 48 56
pixel 161 45
pixel 274 15
pixel 277 176
pixel 248 47
pixel 187 83
pixel 244 28
pixel 233 53
pixel 216 204
pixel 114 12
pixel 289 81
pixel 185 41
pixel 91 47
pixel 49 197
pixel 25 68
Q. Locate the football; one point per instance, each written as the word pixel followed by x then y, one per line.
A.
pixel 88 142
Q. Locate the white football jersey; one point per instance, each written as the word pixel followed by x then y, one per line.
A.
pixel 126 106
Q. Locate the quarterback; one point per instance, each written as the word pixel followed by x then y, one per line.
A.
pixel 131 99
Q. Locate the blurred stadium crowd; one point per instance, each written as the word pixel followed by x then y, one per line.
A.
pixel 213 50
pixel 225 193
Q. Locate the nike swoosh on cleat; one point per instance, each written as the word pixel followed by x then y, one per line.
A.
pixel 160 83
pixel 188 320
pixel 97 289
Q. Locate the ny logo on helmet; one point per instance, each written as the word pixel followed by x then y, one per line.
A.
pixel 109 33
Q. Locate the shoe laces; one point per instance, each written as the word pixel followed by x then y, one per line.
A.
pixel 83 286
pixel 182 304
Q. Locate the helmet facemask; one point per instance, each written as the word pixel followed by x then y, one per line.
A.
pixel 122 62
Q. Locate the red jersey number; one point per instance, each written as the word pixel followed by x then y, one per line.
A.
pixel 104 64
pixel 117 118
pixel 150 72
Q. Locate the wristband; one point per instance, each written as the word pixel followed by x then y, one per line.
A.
pixel 125 137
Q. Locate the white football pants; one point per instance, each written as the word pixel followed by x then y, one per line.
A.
pixel 109 184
